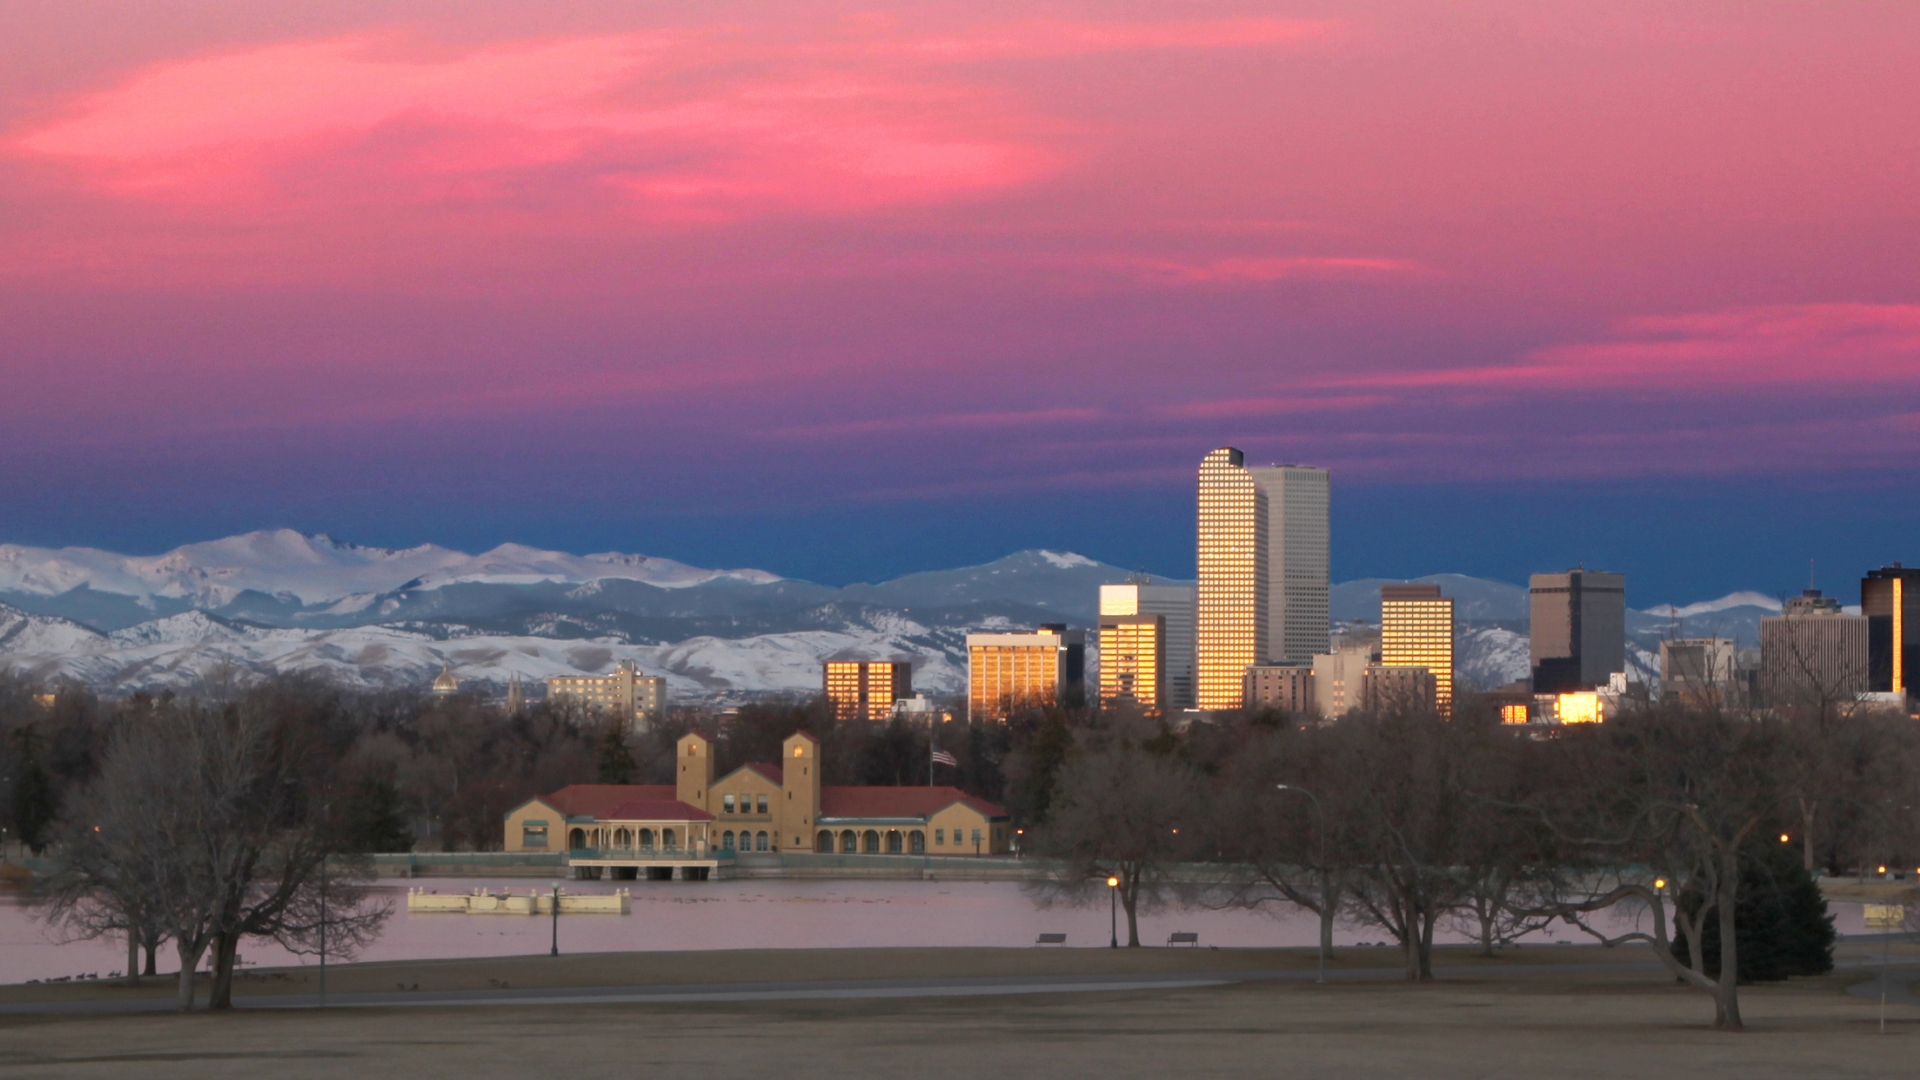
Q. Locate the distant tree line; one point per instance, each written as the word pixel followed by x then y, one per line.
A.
pixel 1394 819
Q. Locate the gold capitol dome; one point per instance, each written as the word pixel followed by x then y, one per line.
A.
pixel 445 683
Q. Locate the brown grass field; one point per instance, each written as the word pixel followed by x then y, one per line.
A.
pixel 1533 1013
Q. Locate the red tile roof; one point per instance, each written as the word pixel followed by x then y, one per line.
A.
pixel 768 770
pixel 655 810
pixel 595 800
pixel 838 800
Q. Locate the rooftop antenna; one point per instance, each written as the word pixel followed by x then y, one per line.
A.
pixel 1810 585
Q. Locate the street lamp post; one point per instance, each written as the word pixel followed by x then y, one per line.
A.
pixel 1326 899
pixel 556 920
pixel 323 929
pixel 1113 911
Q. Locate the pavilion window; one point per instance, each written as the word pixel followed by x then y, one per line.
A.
pixel 728 803
pixel 763 804
pixel 726 839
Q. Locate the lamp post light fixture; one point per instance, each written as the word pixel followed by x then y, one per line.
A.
pixel 1326 898
pixel 1113 911
pixel 556 920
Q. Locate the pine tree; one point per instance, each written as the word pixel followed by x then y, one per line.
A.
pixel 616 760
pixel 1780 920
pixel 375 821
pixel 33 802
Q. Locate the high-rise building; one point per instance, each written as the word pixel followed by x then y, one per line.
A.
pixel 1812 653
pixel 1133 662
pixel 1339 678
pixel 1296 561
pixel 1890 599
pixel 1174 604
pixel 858 689
pixel 1231 616
pixel 1416 630
pixel 626 693
pixel 1579 629
pixel 1010 672
pixel 1698 672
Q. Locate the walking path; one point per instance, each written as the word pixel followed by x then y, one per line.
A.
pixel 805 990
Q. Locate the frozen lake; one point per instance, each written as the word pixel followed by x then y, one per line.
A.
pixel 734 915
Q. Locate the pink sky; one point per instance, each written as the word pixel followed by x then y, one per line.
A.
pixel 749 244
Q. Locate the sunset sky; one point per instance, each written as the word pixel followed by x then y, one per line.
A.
pixel 841 291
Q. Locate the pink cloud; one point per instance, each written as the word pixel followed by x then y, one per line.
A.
pixel 629 114
pixel 1819 344
pixel 1273 406
pixel 1251 270
pixel 891 425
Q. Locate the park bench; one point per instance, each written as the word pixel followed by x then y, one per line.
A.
pixel 1184 938
pixel 1051 939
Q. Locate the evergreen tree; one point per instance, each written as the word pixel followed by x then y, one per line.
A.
pixel 1780 920
pixel 33 802
pixel 375 821
pixel 616 759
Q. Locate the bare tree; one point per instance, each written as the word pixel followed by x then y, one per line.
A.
pixel 199 832
pixel 1119 812
pixel 1662 802
pixel 1281 846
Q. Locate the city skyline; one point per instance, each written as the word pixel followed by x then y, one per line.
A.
pixel 442 268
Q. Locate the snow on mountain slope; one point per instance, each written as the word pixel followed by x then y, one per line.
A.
pixel 24 633
pixel 319 569
pixel 1726 603
pixel 1491 657
pixel 384 656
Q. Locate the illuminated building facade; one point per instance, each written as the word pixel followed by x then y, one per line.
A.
pixel 1578 629
pixel 865 689
pixel 1812 653
pixel 1890 599
pixel 1010 672
pixel 1231 616
pixel 1133 660
pixel 1296 561
pixel 626 693
pixel 1174 605
pixel 1416 630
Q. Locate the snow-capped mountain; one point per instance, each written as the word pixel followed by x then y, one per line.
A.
pixel 282 601
pixel 290 571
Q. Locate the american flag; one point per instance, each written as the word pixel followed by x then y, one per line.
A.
pixel 941 757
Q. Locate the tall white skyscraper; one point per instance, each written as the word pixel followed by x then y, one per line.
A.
pixel 1297 533
pixel 1174 603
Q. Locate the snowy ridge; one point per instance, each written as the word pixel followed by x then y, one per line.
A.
pixel 318 569
pixel 1728 602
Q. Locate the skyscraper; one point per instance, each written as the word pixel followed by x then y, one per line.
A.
pixel 1010 672
pixel 1697 672
pixel 1812 653
pixel 1416 631
pixel 858 689
pixel 1231 596
pixel 1296 561
pixel 1890 599
pixel 1579 629
pixel 1174 604
pixel 1133 662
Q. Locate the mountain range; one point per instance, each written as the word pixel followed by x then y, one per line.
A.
pixel 283 600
